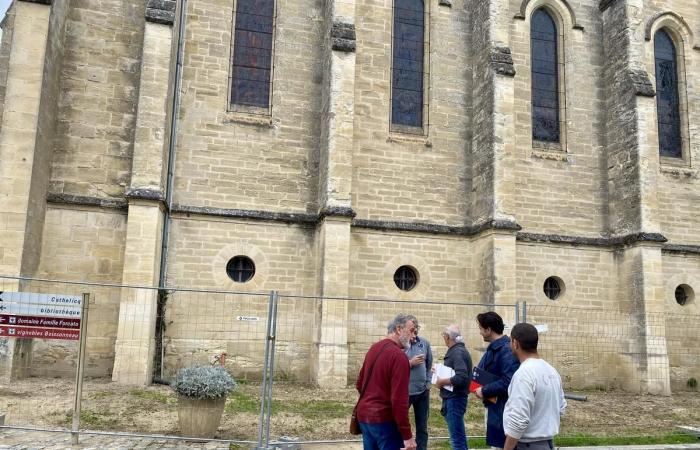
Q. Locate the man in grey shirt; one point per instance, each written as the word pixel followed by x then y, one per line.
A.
pixel 420 356
pixel 535 396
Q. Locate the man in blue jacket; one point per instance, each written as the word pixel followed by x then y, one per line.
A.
pixel 499 361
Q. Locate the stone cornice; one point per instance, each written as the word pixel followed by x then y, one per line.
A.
pixel 678 248
pixel 612 241
pixel 337 211
pixel 41 2
pixel 641 83
pixel 296 218
pixel 502 61
pixel 80 200
pixel 343 37
pixel 160 11
pixel 145 194
pixel 421 227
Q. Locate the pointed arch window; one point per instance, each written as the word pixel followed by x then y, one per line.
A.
pixel 545 77
pixel 667 100
pixel 252 53
pixel 407 64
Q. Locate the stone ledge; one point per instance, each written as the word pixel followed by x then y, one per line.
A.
pixel 41 2
pixel 160 11
pixel 422 227
pixel 69 199
pixel 679 248
pixel 641 83
pixel 260 120
pixel 343 37
pixel 553 155
pixel 679 171
pixel 502 61
pixel 409 138
pixel 145 194
pixel 296 218
pixel 612 241
pixel 337 211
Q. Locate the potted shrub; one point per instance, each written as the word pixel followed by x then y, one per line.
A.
pixel 201 394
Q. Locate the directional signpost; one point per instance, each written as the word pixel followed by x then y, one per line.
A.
pixel 29 315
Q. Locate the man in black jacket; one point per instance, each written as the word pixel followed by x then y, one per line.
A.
pixel 454 401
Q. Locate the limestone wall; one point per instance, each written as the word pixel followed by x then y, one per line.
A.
pixel 250 161
pixel 97 107
pixel 82 245
pixel 413 177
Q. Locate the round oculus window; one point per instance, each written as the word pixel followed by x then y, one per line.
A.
pixel 553 288
pixel 405 278
pixel 684 294
pixel 240 269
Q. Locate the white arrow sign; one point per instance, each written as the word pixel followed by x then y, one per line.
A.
pixel 31 309
pixel 41 299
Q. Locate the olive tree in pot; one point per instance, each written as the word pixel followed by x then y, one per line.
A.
pixel 202 394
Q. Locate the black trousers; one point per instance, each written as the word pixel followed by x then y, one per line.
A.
pixel 421 404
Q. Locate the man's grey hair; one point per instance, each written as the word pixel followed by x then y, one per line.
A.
pixel 398 321
pixel 453 332
pixel 413 319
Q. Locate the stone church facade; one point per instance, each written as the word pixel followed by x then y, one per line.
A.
pixel 491 150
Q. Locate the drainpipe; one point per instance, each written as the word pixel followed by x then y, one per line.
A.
pixel 172 144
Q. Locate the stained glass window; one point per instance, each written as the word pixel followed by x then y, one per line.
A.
pixel 545 77
pixel 407 68
pixel 252 53
pixel 667 104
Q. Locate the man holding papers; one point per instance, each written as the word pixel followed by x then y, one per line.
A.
pixel 454 390
pixel 493 374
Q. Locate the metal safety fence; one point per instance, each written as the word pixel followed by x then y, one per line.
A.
pixel 295 359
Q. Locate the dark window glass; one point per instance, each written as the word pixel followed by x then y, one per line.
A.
pixel 240 269
pixel 407 65
pixel 405 278
pixel 545 77
pixel 681 295
pixel 252 53
pixel 667 104
pixel 552 288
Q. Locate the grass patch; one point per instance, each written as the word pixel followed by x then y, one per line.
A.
pixel 155 396
pixel 578 440
pixel 326 409
pixel 92 419
pixel 238 402
pixel 100 395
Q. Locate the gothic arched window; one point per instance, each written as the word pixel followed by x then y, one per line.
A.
pixel 407 64
pixel 667 100
pixel 545 77
pixel 252 53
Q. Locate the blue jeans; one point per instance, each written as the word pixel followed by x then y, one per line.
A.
pixel 381 436
pixel 421 403
pixel 453 410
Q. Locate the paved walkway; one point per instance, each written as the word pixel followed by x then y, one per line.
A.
pixel 35 440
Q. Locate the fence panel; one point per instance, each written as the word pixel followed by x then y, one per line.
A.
pixel 308 331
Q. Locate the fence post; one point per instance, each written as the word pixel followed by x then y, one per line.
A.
pixel 77 403
pixel 263 385
pixel 271 379
pixel 517 312
pixel 524 310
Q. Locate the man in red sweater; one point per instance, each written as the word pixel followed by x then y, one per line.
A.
pixel 383 386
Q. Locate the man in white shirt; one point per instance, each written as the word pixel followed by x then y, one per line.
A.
pixel 535 396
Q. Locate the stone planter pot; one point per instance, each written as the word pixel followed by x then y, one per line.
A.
pixel 199 417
